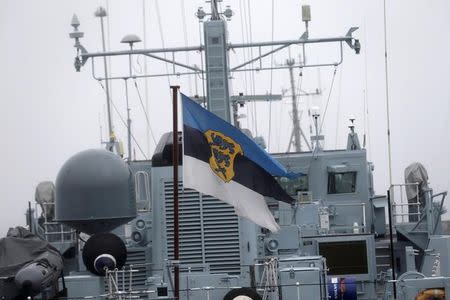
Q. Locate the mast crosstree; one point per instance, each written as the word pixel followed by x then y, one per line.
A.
pixel 217 70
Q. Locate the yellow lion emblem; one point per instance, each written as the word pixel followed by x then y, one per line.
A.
pixel 223 152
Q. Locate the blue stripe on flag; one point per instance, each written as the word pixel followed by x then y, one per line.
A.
pixel 201 119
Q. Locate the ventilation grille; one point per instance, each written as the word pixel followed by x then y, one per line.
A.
pixel 209 232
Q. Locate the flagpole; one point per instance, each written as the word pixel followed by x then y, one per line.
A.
pixel 175 154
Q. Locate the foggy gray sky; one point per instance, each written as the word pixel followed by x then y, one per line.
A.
pixel 49 112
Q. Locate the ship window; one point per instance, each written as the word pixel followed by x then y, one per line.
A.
pixel 349 257
pixel 342 182
pixel 293 186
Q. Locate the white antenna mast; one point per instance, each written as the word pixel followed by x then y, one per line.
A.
pixel 129 39
pixel 295 118
pixel 214 10
pixel 101 13
pixel 387 97
pixel 144 27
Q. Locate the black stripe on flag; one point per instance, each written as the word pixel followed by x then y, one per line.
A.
pixel 247 173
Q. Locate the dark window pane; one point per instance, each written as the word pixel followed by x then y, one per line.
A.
pixel 292 186
pixel 349 257
pixel 339 183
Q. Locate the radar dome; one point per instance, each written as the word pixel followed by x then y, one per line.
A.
pixel 95 192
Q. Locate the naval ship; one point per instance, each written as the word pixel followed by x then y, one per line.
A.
pixel 112 220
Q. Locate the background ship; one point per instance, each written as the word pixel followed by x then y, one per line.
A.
pixel 358 219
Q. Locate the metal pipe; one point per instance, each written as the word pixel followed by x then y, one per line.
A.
pixel 304 53
pixel 291 42
pixel 229 46
pixel 214 10
pixel 364 217
pixel 429 210
pixel 199 71
pixel 387 95
pixel 108 97
pixel 174 62
pixel 130 67
pixel 123 280
pixel 305 139
pixel 128 120
pixel 140 51
pixel 295 119
pixel 347 227
pixel 296 66
pixel 175 154
pixel 147 104
pixel 98 78
pixel 406 214
pixel 238 68
pixel 349 204
pixel 391 242
pixel 259 57
pixel 444 194
pixel 403 184
pixel 29 217
pixel 131 278
pixel 402 208
pixel 406 204
pixel 147 76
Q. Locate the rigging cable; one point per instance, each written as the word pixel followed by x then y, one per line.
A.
pixel 280 118
pixel 310 118
pixel 144 110
pixel 202 75
pixel 161 34
pixel 299 85
pixel 271 76
pixel 243 49
pixel 108 45
pixel 366 95
pixel 252 71
pixel 183 18
pixel 338 112
pixel 245 58
pixel 124 123
pixel 328 100
pixel 248 92
pixel 299 111
pixel 387 96
pixel 147 101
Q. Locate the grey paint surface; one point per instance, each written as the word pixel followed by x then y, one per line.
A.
pixel 95 192
pixel 57 111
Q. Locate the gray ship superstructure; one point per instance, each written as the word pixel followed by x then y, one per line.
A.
pixel 339 240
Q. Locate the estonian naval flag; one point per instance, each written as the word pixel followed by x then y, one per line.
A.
pixel 221 161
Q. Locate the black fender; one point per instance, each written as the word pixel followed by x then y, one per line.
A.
pixel 244 291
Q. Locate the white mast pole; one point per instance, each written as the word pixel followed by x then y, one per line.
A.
pixel 387 96
pixel 101 13
pixel 144 27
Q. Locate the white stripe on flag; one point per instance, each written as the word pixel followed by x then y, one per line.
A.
pixel 249 204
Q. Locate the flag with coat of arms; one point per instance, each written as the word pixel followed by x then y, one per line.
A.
pixel 221 161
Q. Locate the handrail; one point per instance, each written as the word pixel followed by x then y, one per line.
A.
pixel 398 206
pixel 444 195
pixel 66 233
